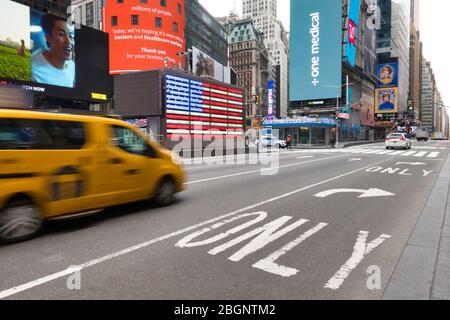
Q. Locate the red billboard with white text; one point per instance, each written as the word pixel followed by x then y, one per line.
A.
pixel 144 35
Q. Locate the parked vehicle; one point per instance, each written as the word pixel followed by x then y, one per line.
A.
pixel 398 140
pixel 55 166
pixel 271 142
pixel 438 136
pixel 423 134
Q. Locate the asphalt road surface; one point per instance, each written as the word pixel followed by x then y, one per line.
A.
pixel 312 224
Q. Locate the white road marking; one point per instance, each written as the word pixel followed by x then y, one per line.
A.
pixel 360 251
pixel 421 154
pixel 433 155
pixel 412 163
pixel 408 154
pixel 427 173
pixel 268 264
pixel 34 283
pixel 304 157
pixel 371 193
pixel 259 170
pixel 397 153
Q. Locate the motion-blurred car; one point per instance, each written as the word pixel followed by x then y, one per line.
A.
pixel 398 140
pixel 271 142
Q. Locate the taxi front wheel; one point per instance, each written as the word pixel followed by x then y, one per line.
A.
pixel 165 194
pixel 19 220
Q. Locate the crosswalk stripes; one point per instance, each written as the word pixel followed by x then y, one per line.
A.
pixel 414 154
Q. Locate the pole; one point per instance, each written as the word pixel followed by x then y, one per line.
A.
pixel 337 121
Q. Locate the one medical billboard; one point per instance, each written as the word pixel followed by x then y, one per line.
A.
pixel 387 75
pixel 49 56
pixel 352 31
pixel 316 49
pixel 386 100
pixel 205 66
pixel 143 35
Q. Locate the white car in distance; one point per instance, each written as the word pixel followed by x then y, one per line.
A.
pixel 398 140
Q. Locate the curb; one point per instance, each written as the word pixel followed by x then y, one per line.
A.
pixel 423 269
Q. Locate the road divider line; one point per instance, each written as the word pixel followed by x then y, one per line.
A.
pixel 260 170
pixel 72 269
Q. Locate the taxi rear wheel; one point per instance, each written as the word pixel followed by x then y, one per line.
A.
pixel 19 220
pixel 165 194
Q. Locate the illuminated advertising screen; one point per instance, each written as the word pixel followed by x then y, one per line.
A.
pixel 205 66
pixel 196 108
pixel 46 54
pixel 270 99
pixel 387 75
pixel 386 100
pixel 144 35
pixel 316 49
pixel 352 31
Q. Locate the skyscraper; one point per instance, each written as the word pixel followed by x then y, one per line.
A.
pixel 394 41
pixel 264 16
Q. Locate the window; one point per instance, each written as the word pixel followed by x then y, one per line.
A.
pixel 158 23
pixel 119 1
pixel 128 141
pixel 179 8
pixel 114 21
pixel 135 20
pixel 90 14
pixel 144 1
pixel 163 3
pixel 175 27
pixel 23 134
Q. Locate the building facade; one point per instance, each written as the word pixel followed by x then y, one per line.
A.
pixel 264 16
pixel 427 114
pixel 394 41
pixel 415 69
pixel 250 60
pixel 88 12
pixel 204 32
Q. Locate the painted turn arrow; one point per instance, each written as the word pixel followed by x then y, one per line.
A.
pixel 371 193
pixel 412 163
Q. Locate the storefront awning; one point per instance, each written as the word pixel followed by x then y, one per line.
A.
pixel 304 122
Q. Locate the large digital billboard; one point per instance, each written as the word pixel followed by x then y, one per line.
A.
pixel 45 54
pixel 352 31
pixel 386 101
pixel 387 75
pixel 199 108
pixel 144 35
pixel 316 49
pixel 205 66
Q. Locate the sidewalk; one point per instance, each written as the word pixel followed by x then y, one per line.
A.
pixel 423 272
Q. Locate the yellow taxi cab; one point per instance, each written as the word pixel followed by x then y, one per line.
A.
pixel 55 166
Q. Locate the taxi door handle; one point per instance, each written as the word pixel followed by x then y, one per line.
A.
pixel 133 172
pixel 115 161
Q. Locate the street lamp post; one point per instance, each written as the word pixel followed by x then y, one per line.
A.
pixel 339 88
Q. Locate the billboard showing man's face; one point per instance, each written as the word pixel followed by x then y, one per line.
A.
pixel 38 54
pixel 53 58
pixel 387 100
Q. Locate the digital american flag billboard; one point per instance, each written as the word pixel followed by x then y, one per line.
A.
pixel 198 108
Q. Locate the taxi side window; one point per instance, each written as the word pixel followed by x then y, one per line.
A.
pixel 130 142
pixel 17 134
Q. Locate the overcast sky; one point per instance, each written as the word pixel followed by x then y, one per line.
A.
pixel 433 29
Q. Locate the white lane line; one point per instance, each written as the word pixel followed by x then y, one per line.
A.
pixel 304 157
pixel 433 155
pixel 9 292
pixel 260 170
pixel 421 154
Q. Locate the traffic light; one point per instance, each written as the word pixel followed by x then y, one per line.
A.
pixel 257 100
